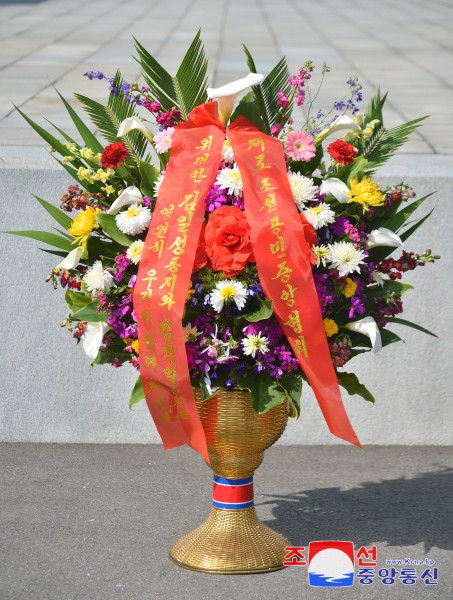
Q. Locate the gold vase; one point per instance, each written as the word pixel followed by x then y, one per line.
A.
pixel 232 539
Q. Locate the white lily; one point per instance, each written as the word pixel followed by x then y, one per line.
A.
pixel 131 195
pixel 228 93
pixel 384 237
pixel 337 188
pixel 72 259
pixel 92 338
pixel 368 326
pixel 338 124
pixel 135 123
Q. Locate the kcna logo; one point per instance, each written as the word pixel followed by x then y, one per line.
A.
pixel 331 564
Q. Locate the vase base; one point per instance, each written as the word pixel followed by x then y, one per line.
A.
pixel 231 542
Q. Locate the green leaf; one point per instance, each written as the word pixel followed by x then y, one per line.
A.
pixel 257 91
pixel 398 219
pixel 97 248
pixel 410 230
pixel 48 137
pixel 410 324
pixel 59 216
pixel 353 386
pixel 352 171
pixel 187 89
pixel 149 174
pixel 48 238
pixel 248 108
pixel 137 393
pixel 374 108
pixel 292 385
pixel 55 252
pixel 264 311
pixel 387 143
pixel 77 300
pixel 73 172
pixel 266 392
pixel 389 337
pixel 88 313
pixel 108 224
pixel 87 136
pixel 108 118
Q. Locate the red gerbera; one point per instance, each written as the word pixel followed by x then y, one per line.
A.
pixel 342 152
pixel 114 155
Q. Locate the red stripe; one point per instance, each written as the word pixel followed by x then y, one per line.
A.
pixel 231 493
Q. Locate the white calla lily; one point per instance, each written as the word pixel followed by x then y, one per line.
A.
pixel 337 188
pixel 368 326
pixel 72 259
pixel 384 237
pixel 338 124
pixel 131 195
pixel 228 93
pixel 135 123
pixel 92 338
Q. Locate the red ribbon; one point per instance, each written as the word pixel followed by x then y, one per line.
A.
pixel 281 254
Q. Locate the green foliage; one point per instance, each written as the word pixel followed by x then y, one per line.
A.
pixel 149 174
pixel 77 300
pixel 265 390
pixel 109 117
pixel 399 321
pixel 137 394
pixel 292 384
pixel 260 106
pixel 353 386
pixel 108 224
pixel 48 238
pixel 89 313
pixel 59 216
pixel 263 310
pixel 87 136
pixel 187 89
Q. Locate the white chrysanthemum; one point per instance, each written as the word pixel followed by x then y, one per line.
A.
pixel 345 257
pixel 378 278
pixel 302 188
pixel 157 185
pixel 230 180
pixel 227 152
pixel 96 278
pixel 321 254
pixel 227 291
pixel 320 215
pixel 134 251
pixel 255 343
pixel 134 220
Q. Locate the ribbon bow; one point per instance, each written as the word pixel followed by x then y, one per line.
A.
pixel 280 251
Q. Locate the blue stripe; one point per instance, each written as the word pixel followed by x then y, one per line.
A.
pixel 225 481
pixel 232 506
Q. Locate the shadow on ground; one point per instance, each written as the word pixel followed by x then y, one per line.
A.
pixel 397 512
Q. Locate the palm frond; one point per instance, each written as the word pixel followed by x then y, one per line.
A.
pixel 184 91
pixel 387 143
pixel 108 118
pixel 374 109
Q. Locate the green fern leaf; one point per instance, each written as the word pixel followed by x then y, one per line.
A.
pixel 187 89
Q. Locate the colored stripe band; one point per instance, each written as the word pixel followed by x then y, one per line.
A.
pixel 232 494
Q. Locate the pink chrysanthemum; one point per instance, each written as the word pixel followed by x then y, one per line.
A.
pixel 162 140
pixel 300 146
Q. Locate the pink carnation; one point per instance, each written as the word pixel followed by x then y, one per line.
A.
pixel 162 140
pixel 300 146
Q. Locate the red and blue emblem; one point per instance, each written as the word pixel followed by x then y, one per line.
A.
pixel 232 494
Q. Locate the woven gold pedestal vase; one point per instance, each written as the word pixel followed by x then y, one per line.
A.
pixel 232 539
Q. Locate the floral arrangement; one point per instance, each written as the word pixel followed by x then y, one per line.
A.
pixel 233 339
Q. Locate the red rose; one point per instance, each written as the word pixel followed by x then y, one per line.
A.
pixel 227 239
pixel 342 152
pixel 114 155
pixel 310 237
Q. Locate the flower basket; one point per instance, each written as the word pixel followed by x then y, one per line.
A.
pixel 217 245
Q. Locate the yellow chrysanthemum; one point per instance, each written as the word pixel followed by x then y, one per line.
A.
pixel 134 346
pixel 350 288
pixel 366 192
pixel 330 327
pixel 83 225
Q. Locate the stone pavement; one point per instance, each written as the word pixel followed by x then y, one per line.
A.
pixel 404 46
pixel 95 522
